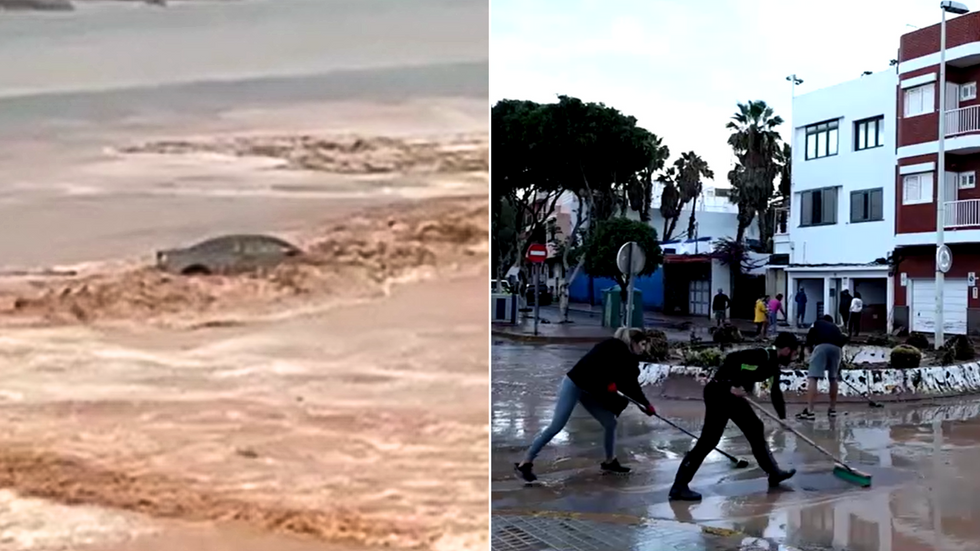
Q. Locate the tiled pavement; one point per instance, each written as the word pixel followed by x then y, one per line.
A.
pixel 512 532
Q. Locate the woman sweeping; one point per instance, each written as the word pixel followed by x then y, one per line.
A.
pixel 611 366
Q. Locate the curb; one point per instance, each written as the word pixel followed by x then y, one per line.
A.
pixel 546 339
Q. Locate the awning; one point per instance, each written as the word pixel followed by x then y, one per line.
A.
pixel 687 259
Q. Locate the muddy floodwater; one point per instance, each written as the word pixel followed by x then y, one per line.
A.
pixel 339 403
pixel 923 456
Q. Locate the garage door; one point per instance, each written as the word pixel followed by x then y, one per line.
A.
pixel 923 294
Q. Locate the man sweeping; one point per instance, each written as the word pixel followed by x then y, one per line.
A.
pixel 825 341
pixel 724 400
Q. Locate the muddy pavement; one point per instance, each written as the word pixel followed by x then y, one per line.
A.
pixel 924 458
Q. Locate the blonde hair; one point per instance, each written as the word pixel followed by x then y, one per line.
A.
pixel 629 335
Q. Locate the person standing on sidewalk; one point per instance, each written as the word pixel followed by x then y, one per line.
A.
pixel 719 306
pixel 775 307
pixel 611 366
pixel 724 400
pixel 800 307
pixel 825 343
pixel 761 315
pixel 845 307
pixel 854 322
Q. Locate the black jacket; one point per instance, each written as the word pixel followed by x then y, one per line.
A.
pixel 719 303
pixel 745 368
pixel 824 332
pixel 610 361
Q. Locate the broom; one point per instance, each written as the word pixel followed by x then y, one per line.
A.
pixel 739 463
pixel 841 469
pixel 865 395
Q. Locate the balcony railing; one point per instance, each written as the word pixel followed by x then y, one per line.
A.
pixel 961 214
pixel 963 120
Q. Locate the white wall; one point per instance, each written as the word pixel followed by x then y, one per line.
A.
pixel 844 242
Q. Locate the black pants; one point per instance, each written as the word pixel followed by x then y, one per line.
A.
pixel 854 324
pixel 720 406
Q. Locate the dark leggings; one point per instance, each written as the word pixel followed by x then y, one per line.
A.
pixel 720 406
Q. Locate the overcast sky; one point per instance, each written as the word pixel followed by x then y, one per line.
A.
pixel 681 66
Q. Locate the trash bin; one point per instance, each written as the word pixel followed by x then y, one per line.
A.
pixel 612 306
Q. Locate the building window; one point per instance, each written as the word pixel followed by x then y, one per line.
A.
pixel 821 140
pixel 866 205
pixel 869 133
pixel 818 207
pixel 920 100
pixel 968 91
pixel 968 180
pixel 917 189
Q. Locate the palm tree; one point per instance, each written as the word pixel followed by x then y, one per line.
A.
pixel 640 187
pixel 758 147
pixel 690 170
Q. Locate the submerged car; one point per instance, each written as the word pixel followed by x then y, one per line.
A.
pixel 227 255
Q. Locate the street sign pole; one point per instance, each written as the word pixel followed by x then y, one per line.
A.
pixel 630 260
pixel 537 296
pixel 629 289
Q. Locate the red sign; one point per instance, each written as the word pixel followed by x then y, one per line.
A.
pixel 537 252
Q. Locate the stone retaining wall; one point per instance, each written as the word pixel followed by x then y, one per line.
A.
pixel 887 383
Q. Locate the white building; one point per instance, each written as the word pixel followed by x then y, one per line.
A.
pixel 842 216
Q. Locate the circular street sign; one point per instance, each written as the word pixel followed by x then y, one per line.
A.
pixel 631 259
pixel 536 252
pixel 944 258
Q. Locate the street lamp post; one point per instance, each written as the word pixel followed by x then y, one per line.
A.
pixel 959 9
pixel 794 80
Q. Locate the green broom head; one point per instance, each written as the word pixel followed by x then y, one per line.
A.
pixel 853 476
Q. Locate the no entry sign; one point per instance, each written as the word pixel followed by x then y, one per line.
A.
pixel 536 252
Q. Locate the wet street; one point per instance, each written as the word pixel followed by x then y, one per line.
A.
pixel 924 458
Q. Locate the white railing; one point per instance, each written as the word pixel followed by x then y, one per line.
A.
pixel 964 213
pixel 963 120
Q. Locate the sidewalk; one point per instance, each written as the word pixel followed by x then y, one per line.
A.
pixel 586 326
pixel 575 532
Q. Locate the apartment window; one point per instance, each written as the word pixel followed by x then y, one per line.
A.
pixel 917 188
pixel 967 180
pixel 920 100
pixel 821 140
pixel 968 91
pixel 866 205
pixel 869 133
pixel 818 207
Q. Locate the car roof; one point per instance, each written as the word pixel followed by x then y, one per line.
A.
pixel 231 240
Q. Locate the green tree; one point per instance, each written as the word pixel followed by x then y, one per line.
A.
pixel 670 201
pixel 757 146
pixel 605 241
pixel 595 152
pixel 524 192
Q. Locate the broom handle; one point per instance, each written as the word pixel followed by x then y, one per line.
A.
pixel 678 427
pixel 796 432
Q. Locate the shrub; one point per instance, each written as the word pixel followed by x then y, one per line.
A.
pixel 917 340
pixel 905 356
pixel 655 346
pixel 883 340
pixel 708 357
pixel 961 347
pixel 726 334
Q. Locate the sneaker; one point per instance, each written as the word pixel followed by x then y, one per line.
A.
pixel 779 476
pixel 831 413
pixel 806 415
pixel 683 494
pixel 614 467
pixel 525 472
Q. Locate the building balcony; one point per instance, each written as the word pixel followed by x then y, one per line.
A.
pixel 962 214
pixel 963 120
